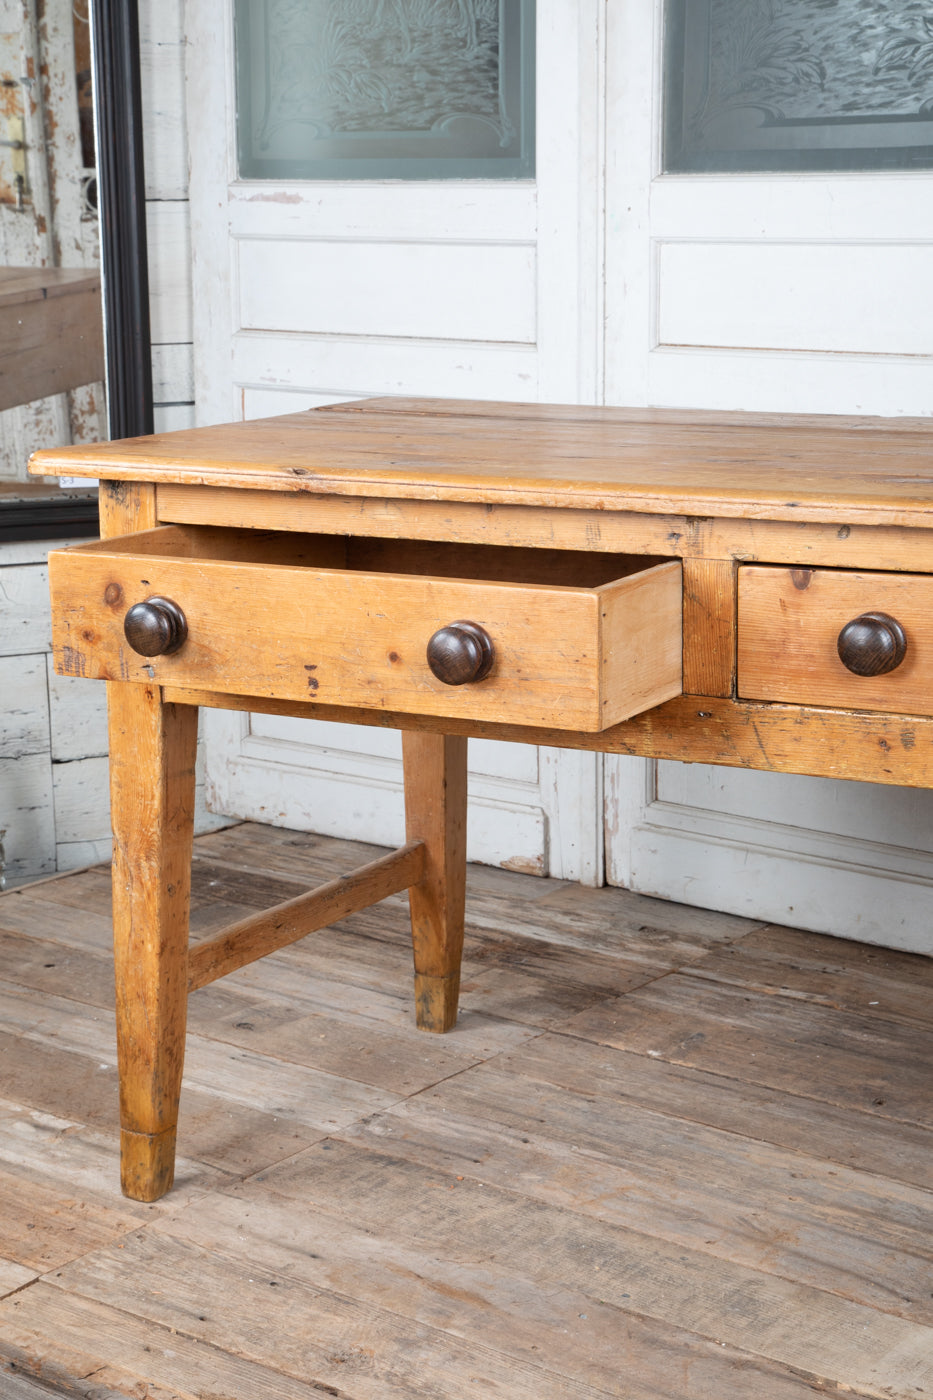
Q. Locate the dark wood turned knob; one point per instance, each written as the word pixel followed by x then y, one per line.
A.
pixel 156 627
pixel 872 644
pixel 461 652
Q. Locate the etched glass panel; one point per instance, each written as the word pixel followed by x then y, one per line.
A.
pixel 798 85
pixel 385 89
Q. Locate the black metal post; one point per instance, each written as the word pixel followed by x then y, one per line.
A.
pixel 122 204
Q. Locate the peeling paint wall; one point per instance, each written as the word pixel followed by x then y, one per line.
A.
pixel 54 803
pixel 44 218
pixel 54 798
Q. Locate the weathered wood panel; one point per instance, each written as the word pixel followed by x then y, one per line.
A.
pixel 169 241
pixel 172 417
pixel 24 610
pixel 24 706
pixel 682 1191
pixel 81 801
pixel 173 374
pixel 775 738
pixel 866 546
pixel 162 77
pixel 77 718
pixel 859 1061
pixel 844 976
pixel 649 462
pixel 834 1132
pixel 97 1340
pixel 565 1327
pixel 220 1136
pixel 789 1323
pixel 600 1158
pixel 709 627
pixel 51 332
pixel 13 1277
pixel 27 816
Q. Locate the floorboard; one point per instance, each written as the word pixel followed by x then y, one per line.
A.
pixel 666 1154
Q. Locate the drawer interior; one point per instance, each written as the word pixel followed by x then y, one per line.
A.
pixel 480 562
pixel 590 637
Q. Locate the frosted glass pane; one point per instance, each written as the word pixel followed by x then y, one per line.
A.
pixel 385 89
pixel 798 85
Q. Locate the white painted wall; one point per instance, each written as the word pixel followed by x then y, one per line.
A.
pixel 54 800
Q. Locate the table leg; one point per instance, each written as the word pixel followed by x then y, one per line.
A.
pixel 435 811
pixel 152 759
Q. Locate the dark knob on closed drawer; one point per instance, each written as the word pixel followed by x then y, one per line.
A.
pixel 156 627
pixel 872 644
pixel 461 652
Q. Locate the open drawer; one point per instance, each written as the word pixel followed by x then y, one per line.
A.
pixel 554 638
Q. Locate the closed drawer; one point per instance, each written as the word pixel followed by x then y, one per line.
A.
pixel 789 627
pixel 578 640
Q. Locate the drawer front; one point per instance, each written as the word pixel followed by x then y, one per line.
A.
pixel 789 627
pixel 580 658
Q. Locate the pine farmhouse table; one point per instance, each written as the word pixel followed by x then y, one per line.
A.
pixel 717 588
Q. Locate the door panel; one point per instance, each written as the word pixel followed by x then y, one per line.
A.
pixel 344 780
pixel 853 859
pixel 802 296
pixel 422 289
pixel 787 293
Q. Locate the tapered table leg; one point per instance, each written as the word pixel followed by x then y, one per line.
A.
pixel 152 760
pixel 436 811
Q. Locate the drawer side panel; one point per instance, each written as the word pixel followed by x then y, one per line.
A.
pixel 642 642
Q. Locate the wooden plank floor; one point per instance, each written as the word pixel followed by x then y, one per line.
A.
pixel 666 1153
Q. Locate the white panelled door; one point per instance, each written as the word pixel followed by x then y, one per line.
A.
pixel 310 292
pixel 795 292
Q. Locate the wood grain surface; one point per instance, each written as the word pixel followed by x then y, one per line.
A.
pixel 295 918
pixel 709 627
pixel 591 654
pixel 436 817
pixel 779 468
pixel 835 541
pixel 51 332
pixel 152 775
pixel 824 742
pixel 666 1154
pixel 789 621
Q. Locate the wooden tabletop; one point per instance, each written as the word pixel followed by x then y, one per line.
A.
pixel 23 284
pixel 777 467
pixel 51 332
